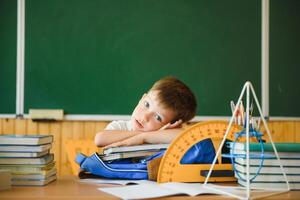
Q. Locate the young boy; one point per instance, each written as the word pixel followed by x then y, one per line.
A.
pixel 156 119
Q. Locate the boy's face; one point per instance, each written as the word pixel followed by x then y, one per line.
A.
pixel 149 114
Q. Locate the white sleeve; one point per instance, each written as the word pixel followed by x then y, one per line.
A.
pixel 118 125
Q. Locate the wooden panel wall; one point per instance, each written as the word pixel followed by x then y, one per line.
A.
pixel 282 131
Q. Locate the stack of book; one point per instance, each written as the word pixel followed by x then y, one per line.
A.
pixel 28 158
pixel 137 151
pixel 270 175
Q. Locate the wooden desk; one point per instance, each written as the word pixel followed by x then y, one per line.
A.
pixel 69 188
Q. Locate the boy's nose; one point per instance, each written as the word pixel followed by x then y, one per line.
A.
pixel 146 116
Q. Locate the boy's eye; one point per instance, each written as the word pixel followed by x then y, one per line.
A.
pixel 158 118
pixel 146 104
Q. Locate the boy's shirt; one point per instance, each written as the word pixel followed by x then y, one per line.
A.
pixel 119 125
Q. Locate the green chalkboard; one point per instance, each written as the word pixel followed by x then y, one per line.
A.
pixel 100 56
pixel 284 58
pixel 8 44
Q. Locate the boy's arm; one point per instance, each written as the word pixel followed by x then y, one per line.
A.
pixel 112 138
pixel 108 137
pixel 155 137
pixel 162 136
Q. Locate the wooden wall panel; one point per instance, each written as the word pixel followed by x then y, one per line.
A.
pixel 55 130
pixel 282 131
pixel 32 127
pixel 20 126
pixel 77 131
pixel 297 132
pixel 89 130
pixel 44 128
pixel 66 133
pixel 8 126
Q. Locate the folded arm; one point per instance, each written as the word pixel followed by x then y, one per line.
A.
pixel 112 138
pixel 155 137
pixel 108 137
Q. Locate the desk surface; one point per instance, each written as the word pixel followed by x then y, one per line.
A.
pixel 69 188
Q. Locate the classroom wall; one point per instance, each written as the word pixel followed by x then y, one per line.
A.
pixel 282 131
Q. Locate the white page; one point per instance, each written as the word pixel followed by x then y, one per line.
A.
pixel 149 189
pixel 141 191
pixel 191 189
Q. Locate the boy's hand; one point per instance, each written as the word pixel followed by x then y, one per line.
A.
pixel 176 124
